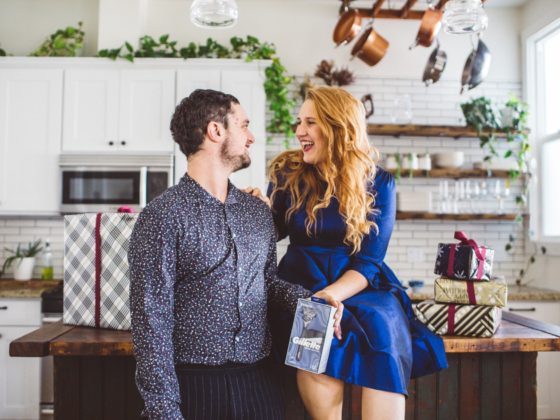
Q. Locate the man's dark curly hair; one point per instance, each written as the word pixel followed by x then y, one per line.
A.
pixel 194 113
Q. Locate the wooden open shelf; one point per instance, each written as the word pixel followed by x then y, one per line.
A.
pixel 453 131
pixel 411 215
pixel 453 173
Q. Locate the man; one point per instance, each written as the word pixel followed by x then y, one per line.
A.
pixel 203 270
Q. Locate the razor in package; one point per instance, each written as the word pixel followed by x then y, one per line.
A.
pixel 311 337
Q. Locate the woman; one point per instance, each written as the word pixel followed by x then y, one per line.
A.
pixel 338 209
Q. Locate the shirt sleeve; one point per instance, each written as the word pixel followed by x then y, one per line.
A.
pixel 279 209
pixel 152 256
pixel 367 261
pixel 280 292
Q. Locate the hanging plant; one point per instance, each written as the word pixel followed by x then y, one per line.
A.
pixel 277 81
pixel 479 114
pixel 2 53
pixel 67 42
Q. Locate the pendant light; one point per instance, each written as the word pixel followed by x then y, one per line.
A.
pixel 464 17
pixel 214 13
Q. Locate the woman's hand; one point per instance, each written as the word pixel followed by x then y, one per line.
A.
pixel 256 192
pixel 331 300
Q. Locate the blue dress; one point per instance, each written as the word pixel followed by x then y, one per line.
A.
pixel 383 345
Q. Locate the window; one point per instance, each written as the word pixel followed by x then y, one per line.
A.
pixel 543 95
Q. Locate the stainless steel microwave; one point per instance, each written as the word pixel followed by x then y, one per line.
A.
pixel 105 182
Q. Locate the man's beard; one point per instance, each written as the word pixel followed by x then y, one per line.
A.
pixel 236 163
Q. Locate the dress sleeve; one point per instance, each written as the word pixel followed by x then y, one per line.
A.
pixel 279 208
pixel 152 257
pixel 374 246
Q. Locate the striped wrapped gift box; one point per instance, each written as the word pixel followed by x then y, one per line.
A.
pixel 96 273
pixel 452 319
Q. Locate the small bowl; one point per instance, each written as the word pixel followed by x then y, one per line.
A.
pixel 448 159
pixel 416 285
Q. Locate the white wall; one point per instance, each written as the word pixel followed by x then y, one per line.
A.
pixel 301 30
pixel 535 15
pixel 25 24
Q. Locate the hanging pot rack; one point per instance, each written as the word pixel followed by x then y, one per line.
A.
pixel 377 11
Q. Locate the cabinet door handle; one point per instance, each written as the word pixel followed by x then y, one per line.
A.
pixel 3 308
pixel 533 309
pixel 111 143
pixel 123 143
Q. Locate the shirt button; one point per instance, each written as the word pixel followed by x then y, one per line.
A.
pixel 240 304
pixel 236 338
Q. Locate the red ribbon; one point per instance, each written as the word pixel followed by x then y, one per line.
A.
pixel 470 292
pixel 451 319
pixel 125 209
pixel 479 252
pixel 97 269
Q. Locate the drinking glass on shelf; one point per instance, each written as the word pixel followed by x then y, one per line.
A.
pixel 483 195
pixel 443 206
pixel 402 110
pixel 499 196
pixel 476 196
pixel 468 197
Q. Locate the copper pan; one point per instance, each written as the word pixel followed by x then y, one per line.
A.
pixel 370 47
pixel 347 27
pixel 429 27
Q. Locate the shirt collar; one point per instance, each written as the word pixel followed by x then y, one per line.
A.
pixel 189 184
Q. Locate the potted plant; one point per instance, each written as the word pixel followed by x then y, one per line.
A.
pixel 24 259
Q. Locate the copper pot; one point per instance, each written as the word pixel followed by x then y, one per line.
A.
pixel 429 27
pixel 347 27
pixel 370 47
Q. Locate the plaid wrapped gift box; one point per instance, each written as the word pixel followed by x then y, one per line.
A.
pixel 466 320
pixel 464 261
pixel 96 274
pixel 491 293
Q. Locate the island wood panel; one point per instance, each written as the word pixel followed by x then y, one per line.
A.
pixel 475 386
pixel 489 378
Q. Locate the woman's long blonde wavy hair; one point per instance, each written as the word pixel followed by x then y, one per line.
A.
pixel 346 169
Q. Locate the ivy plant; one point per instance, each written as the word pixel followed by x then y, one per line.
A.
pixel 277 80
pixel 67 42
pixel 479 114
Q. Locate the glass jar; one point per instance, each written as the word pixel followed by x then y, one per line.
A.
pixel 214 13
pixel 464 16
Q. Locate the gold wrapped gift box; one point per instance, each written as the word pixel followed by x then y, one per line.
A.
pixel 491 293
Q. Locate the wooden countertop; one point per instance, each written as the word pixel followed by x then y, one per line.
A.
pixel 29 289
pixel 516 334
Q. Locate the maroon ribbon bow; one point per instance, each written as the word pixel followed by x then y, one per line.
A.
pixel 480 253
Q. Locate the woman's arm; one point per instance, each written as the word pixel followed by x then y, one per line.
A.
pixel 366 263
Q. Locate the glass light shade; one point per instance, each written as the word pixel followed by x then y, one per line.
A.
pixel 214 13
pixel 464 17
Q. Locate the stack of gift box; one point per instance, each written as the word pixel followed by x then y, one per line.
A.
pixel 467 300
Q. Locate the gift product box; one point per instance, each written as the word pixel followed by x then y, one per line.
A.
pixel 311 337
pixel 465 260
pixel 96 273
pixel 452 319
pixel 490 293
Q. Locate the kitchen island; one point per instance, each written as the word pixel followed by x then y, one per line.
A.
pixel 492 378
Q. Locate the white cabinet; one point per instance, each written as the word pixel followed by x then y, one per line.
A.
pixel 20 376
pixel 548 363
pixel 30 133
pixel 246 83
pixel 118 109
